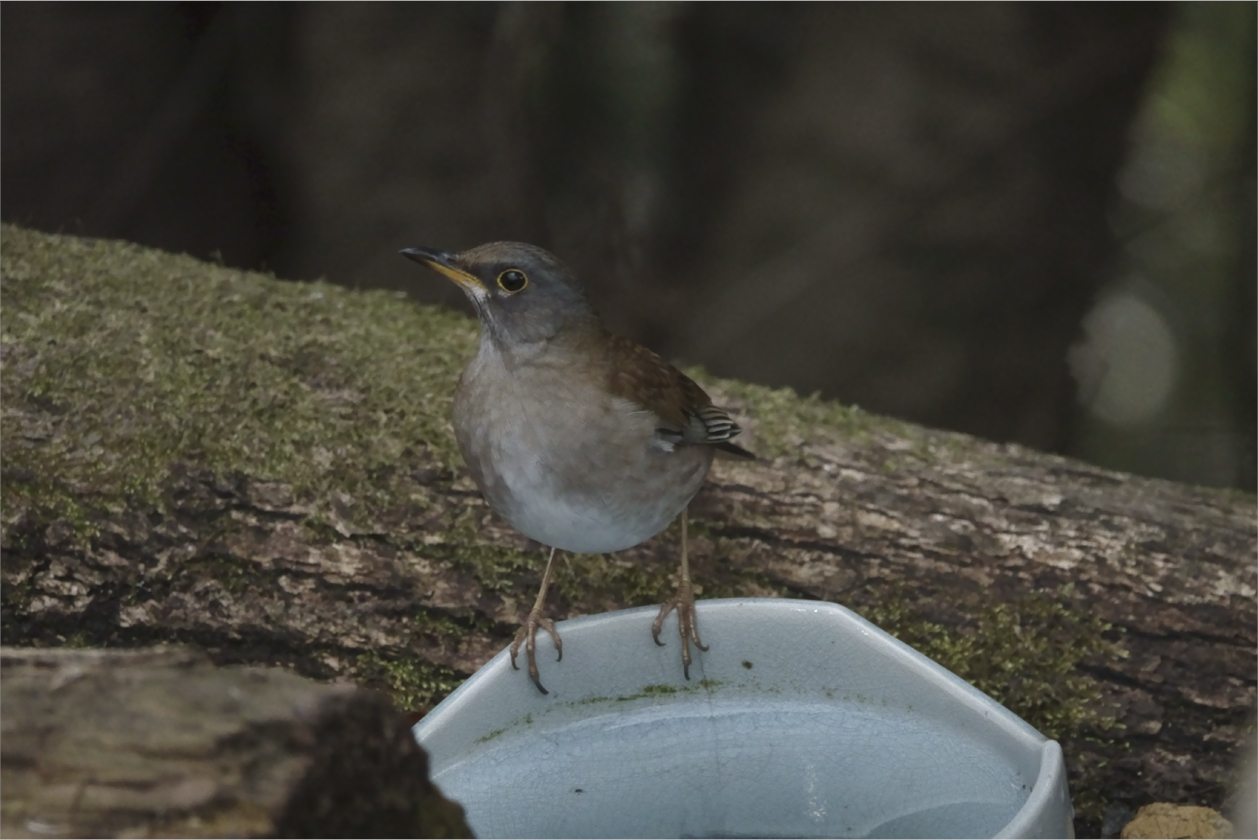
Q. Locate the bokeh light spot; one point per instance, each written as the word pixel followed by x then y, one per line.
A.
pixel 1126 364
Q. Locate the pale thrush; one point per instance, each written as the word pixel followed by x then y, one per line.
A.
pixel 580 439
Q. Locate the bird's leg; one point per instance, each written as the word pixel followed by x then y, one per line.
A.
pixel 527 634
pixel 684 603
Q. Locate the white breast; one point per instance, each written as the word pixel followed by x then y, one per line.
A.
pixel 567 464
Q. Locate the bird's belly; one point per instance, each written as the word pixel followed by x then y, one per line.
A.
pixel 590 521
pixel 594 486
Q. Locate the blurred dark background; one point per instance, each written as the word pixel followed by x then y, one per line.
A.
pixel 1030 222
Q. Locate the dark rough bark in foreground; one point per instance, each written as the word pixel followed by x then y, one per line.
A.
pixel 1114 612
pixel 160 743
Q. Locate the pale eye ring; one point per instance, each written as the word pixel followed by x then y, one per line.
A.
pixel 512 280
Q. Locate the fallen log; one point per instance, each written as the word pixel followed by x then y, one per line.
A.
pixel 265 470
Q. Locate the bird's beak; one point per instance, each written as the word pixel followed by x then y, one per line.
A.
pixel 445 263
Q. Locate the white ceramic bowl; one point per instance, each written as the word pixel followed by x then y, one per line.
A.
pixel 803 720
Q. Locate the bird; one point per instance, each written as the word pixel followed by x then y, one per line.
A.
pixel 582 440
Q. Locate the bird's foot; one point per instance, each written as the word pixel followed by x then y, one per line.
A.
pixel 527 636
pixel 687 626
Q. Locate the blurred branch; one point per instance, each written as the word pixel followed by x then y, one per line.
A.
pixel 160 743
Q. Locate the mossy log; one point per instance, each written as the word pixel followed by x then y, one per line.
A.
pixel 160 743
pixel 266 470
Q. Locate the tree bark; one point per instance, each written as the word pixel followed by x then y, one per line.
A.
pixel 160 743
pixel 1116 613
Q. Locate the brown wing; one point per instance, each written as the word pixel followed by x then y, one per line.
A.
pixel 638 375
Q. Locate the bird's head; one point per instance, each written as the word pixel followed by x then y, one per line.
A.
pixel 522 294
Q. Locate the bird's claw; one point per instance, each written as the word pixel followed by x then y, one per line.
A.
pixel 527 636
pixel 687 625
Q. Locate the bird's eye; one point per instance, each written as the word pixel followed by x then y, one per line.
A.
pixel 512 280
